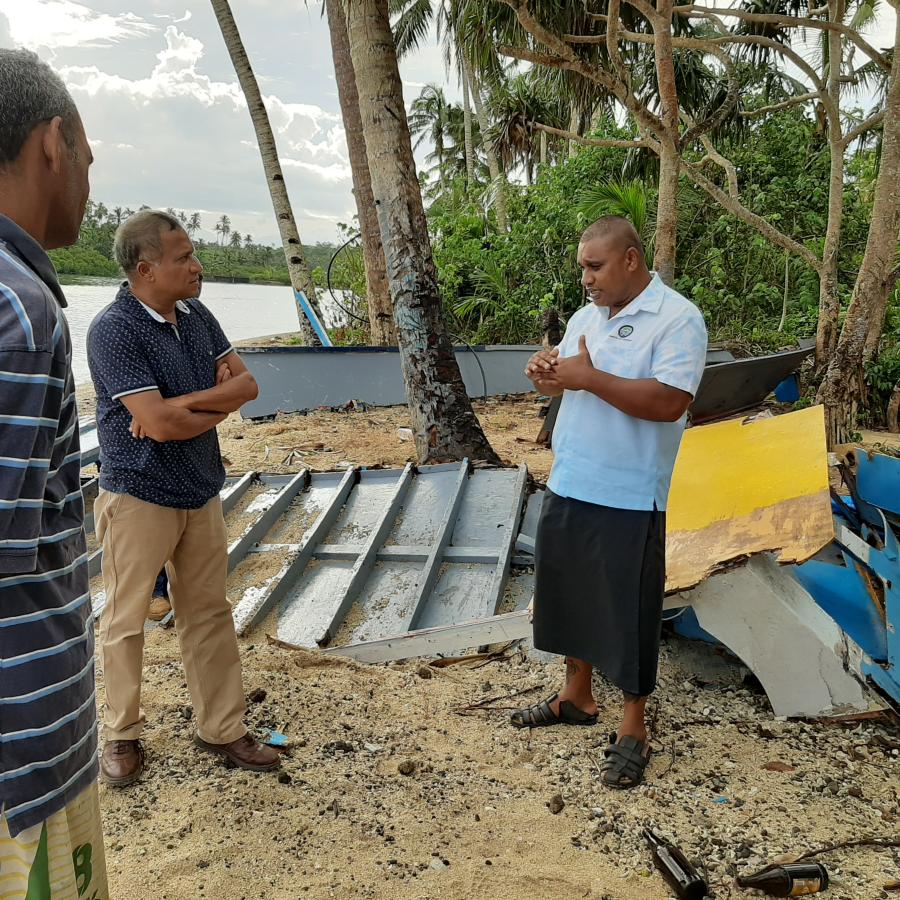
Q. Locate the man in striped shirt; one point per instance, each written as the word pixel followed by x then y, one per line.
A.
pixel 50 838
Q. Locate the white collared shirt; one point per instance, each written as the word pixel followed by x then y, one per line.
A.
pixel 601 454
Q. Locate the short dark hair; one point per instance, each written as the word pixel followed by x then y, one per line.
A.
pixel 139 235
pixel 618 228
pixel 30 93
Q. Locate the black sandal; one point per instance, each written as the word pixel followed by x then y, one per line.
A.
pixel 541 715
pixel 625 761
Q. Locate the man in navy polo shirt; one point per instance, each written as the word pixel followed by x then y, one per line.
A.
pixel 165 377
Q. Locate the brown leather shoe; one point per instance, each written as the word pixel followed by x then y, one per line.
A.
pixel 122 762
pixel 246 753
pixel 159 609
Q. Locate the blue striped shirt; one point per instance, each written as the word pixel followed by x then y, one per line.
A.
pixel 48 730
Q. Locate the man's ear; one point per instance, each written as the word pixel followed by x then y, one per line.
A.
pixel 54 145
pixel 631 259
pixel 145 270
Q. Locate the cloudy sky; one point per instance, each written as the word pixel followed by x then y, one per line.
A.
pixel 166 117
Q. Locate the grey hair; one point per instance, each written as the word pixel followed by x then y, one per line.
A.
pixel 30 93
pixel 139 237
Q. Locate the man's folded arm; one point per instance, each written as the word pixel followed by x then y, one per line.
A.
pixel 164 421
pixel 227 397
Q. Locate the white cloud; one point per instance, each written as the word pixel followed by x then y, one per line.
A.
pixel 174 136
pixel 65 23
pixel 188 15
pixel 334 172
pixel 5 33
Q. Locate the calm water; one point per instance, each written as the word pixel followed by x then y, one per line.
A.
pixel 243 310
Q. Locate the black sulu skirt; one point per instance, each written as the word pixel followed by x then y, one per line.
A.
pixel 599 582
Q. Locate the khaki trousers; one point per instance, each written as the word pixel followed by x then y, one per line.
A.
pixel 138 539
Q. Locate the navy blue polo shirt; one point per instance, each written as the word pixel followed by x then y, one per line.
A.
pixel 133 349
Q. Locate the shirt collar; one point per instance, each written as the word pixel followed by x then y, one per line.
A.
pixel 180 305
pixel 648 300
pixel 32 254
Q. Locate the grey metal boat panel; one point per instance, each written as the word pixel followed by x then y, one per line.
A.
pixel 89 441
pixel 292 379
pixel 731 387
pixel 338 557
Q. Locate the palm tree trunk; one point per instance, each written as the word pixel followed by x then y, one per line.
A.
pixel 443 420
pixel 543 148
pixel 843 388
pixel 378 295
pixel 574 118
pixel 829 300
pixel 498 178
pixel 467 128
pixel 301 277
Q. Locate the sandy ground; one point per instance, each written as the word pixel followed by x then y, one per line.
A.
pixel 391 788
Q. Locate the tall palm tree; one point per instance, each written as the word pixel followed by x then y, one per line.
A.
pixel 444 423
pixel 514 105
pixel 194 223
pixel 413 19
pixel 301 276
pixel 429 119
pixel 378 295
pixel 223 226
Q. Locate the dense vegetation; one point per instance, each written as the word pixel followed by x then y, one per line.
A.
pixel 496 285
pixel 232 255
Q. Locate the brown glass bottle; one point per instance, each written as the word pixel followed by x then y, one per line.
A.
pixel 790 880
pixel 676 869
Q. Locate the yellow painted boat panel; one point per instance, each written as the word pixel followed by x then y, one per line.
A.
pixel 742 487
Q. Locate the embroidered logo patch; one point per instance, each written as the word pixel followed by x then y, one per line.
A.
pixel 625 331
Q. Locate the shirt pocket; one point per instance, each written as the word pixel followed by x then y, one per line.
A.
pixel 617 356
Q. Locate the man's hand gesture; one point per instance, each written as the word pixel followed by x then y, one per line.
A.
pixel 573 373
pixel 540 366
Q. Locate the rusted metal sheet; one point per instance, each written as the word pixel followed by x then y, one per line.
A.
pixel 741 488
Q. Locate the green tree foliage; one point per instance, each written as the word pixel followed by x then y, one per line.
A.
pixel 231 256
pixel 497 285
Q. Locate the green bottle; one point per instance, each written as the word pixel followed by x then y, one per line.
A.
pixel 675 868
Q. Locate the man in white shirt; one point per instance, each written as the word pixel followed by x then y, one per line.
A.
pixel 627 367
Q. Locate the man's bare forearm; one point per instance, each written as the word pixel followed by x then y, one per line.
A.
pixel 227 397
pixel 638 397
pixel 177 424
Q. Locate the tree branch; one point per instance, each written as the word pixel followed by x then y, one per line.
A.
pixel 868 124
pixel 647 11
pixel 589 142
pixel 567 59
pixel 714 156
pixel 790 22
pixel 707 43
pixel 784 104
pixel 748 217
pixel 716 118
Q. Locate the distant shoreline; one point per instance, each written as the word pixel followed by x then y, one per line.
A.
pixel 211 279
